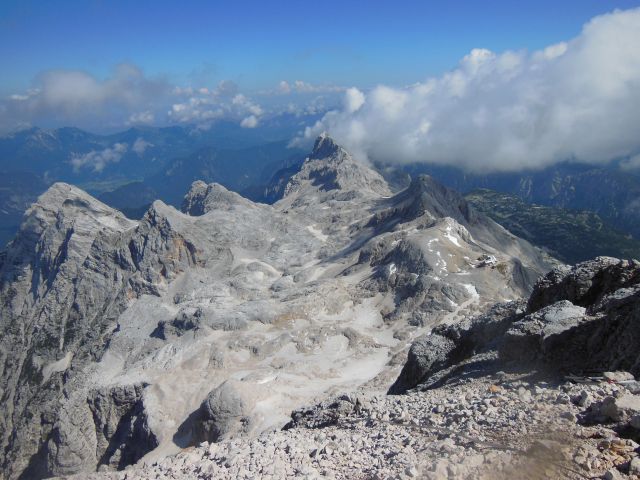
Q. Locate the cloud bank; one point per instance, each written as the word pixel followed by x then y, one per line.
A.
pixel 578 100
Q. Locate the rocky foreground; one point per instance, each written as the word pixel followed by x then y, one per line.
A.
pixel 179 345
pixel 477 408
pixel 501 426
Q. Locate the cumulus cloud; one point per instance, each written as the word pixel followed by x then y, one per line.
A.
pixel 249 122
pixel 141 118
pixel 203 108
pixel 97 160
pixel 300 86
pixel 578 100
pixel 196 110
pixel 77 97
pixel 140 146
pixel 126 97
pixel 244 103
pixel 353 100
pixel 284 87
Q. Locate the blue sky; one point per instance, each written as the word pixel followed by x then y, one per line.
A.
pixel 258 43
pixel 111 64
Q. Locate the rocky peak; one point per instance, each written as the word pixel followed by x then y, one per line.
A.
pixel 60 226
pixel 330 167
pixel 427 195
pixel 202 198
pixel 326 147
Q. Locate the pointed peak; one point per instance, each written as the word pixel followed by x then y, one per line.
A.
pixel 423 183
pixel 325 147
pixel 331 167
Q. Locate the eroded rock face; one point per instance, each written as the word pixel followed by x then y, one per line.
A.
pixel 320 291
pixel 586 283
pixel 567 336
pixel 578 319
pixel 445 346
pixel 108 427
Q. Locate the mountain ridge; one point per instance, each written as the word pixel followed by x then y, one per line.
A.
pixel 130 326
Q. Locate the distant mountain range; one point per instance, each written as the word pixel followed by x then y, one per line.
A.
pixel 87 159
pixel 571 236
pixel 130 169
pixel 245 170
pixel 608 191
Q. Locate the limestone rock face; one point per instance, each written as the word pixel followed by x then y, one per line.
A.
pixel 331 167
pixel 202 198
pixel 586 283
pixel 430 356
pixel 107 428
pixel 578 319
pixel 113 332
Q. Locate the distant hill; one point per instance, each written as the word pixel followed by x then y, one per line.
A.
pixel 243 170
pixel 572 236
pixel 130 169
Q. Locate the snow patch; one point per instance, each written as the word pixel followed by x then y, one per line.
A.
pixel 317 233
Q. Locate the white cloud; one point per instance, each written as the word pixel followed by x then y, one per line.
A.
pixel 631 163
pixel 204 109
pixel 578 100
pixel 244 103
pixel 302 87
pixel 141 118
pixel 196 110
pixel 99 159
pixel 249 122
pixel 140 146
pixel 75 97
pixel 284 87
pixel 353 100
pixel 305 87
pixel 226 88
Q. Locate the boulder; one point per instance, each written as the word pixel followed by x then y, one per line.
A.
pixel 224 412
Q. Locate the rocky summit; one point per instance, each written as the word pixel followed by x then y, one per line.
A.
pixel 344 331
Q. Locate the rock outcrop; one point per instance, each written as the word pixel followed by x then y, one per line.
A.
pixel 578 320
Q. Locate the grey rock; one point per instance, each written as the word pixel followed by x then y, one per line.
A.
pixel 447 345
pixel 613 474
pixel 225 411
pixel 584 284
pixel 202 198
pixel 331 168
pixel 619 409
pixel 598 332
pixel 543 334
pixel 91 301
pixel 618 376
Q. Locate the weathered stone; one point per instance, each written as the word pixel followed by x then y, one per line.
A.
pixel 225 411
